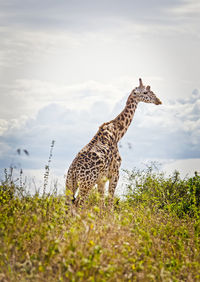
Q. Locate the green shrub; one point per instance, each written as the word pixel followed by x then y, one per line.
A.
pixel 172 193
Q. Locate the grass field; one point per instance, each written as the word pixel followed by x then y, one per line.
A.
pixel 153 233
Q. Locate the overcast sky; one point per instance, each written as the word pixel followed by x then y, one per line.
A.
pixel 68 66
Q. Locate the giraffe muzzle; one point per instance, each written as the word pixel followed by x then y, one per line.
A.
pixel 158 102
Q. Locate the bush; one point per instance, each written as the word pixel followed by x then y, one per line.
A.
pixel 154 189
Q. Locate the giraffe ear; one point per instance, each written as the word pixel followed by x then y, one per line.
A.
pixel 148 88
pixel 141 84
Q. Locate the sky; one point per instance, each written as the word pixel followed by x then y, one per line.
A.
pixel 68 66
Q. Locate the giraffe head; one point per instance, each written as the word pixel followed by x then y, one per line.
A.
pixel 144 94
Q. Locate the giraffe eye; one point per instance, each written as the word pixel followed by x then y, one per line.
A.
pixel 145 92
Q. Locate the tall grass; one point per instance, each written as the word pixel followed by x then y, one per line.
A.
pixel 153 234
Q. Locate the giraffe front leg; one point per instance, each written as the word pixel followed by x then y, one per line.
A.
pixel 114 177
pixel 111 190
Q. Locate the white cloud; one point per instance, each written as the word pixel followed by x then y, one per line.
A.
pixel 186 167
pixel 187 8
pixel 22 46
pixel 3 126
pixel 186 16
pixel 25 97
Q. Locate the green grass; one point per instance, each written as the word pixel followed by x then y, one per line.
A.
pixel 153 234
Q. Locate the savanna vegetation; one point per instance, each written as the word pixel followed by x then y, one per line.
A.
pixel 153 233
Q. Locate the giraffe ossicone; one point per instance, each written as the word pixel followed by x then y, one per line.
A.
pixel 100 159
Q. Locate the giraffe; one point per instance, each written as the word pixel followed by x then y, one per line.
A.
pixel 100 160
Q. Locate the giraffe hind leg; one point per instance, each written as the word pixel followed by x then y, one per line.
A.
pixel 111 190
pixel 101 189
pixel 82 196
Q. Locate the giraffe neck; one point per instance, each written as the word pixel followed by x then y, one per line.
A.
pixel 124 119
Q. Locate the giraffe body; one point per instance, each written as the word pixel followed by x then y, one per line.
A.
pixel 100 159
pixel 97 161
